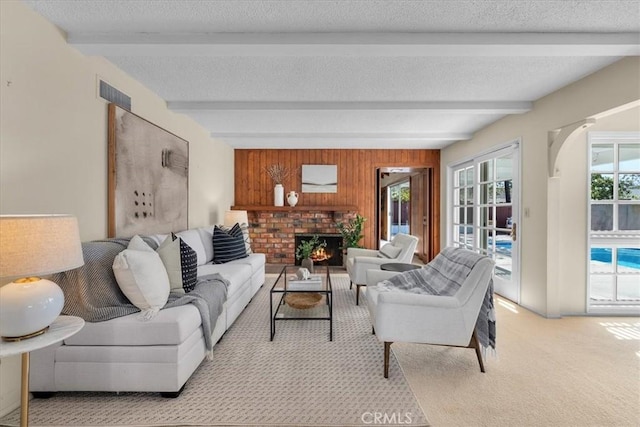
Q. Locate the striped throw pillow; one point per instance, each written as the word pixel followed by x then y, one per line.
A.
pixel 228 245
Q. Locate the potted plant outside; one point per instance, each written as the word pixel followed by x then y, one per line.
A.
pixel 306 248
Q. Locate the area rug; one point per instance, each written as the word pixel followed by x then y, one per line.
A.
pixel 298 379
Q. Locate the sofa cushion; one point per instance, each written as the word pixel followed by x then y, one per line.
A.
pixel 206 235
pixel 142 277
pixel 228 245
pixel 141 354
pixel 114 354
pixel 170 326
pixel 193 239
pixel 256 261
pixel 236 274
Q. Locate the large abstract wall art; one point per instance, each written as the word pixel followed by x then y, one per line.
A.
pixel 148 177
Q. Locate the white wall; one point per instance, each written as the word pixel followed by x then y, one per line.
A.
pixel 611 87
pixel 53 139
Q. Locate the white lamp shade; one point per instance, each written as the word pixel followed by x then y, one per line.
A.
pixel 37 245
pixel 34 245
pixel 233 217
pixel 29 307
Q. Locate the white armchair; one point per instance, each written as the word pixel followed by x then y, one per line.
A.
pixel 400 249
pixel 399 316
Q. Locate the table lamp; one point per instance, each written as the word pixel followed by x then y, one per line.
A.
pixel 233 217
pixel 33 245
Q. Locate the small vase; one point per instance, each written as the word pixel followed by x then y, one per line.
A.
pixel 308 264
pixel 292 198
pixel 278 195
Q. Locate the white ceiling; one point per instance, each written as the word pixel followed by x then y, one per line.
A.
pixel 349 74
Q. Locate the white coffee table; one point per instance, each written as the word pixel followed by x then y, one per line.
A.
pixel 63 327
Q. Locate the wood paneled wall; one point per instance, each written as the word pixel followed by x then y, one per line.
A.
pixel 356 179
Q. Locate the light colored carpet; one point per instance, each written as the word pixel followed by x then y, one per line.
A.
pixel 298 379
pixel 574 371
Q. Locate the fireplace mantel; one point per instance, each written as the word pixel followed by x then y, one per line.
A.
pixel 299 208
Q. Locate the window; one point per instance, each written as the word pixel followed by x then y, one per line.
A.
pixel 614 225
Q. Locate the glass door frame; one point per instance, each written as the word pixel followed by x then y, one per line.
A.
pixel 475 162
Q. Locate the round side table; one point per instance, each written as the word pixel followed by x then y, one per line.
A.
pixel 399 267
pixel 61 328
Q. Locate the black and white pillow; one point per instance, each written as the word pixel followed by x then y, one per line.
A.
pixel 228 245
pixel 189 262
pixel 181 263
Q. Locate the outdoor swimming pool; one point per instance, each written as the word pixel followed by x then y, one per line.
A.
pixel 503 247
pixel 627 257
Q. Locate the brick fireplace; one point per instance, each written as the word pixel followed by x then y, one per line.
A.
pixel 273 231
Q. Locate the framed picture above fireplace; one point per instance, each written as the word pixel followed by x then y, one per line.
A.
pixel 319 178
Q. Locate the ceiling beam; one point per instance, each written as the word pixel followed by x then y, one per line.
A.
pixel 455 107
pixel 351 142
pixel 357 44
pixel 272 140
pixel 439 136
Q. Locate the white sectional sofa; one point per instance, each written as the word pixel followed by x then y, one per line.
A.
pixel 157 355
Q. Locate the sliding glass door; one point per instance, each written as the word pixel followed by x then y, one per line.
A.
pixel 485 213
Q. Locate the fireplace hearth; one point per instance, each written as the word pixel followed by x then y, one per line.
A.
pixel 329 255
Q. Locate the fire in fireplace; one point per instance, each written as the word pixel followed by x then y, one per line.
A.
pixel 329 255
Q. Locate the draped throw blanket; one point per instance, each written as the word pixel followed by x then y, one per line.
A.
pixel 444 275
pixel 208 296
pixel 92 292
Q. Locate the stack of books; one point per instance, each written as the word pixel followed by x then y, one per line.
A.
pixel 314 283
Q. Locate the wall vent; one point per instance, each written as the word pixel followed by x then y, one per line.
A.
pixel 112 94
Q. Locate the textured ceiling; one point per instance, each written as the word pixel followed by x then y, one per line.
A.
pixel 341 74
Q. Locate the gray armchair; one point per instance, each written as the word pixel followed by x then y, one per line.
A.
pixel 400 249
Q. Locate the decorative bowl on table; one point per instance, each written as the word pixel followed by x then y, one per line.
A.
pixel 302 300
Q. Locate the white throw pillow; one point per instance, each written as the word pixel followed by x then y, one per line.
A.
pixel 142 277
pixel 390 251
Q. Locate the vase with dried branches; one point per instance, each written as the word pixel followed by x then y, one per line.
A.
pixel 278 174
